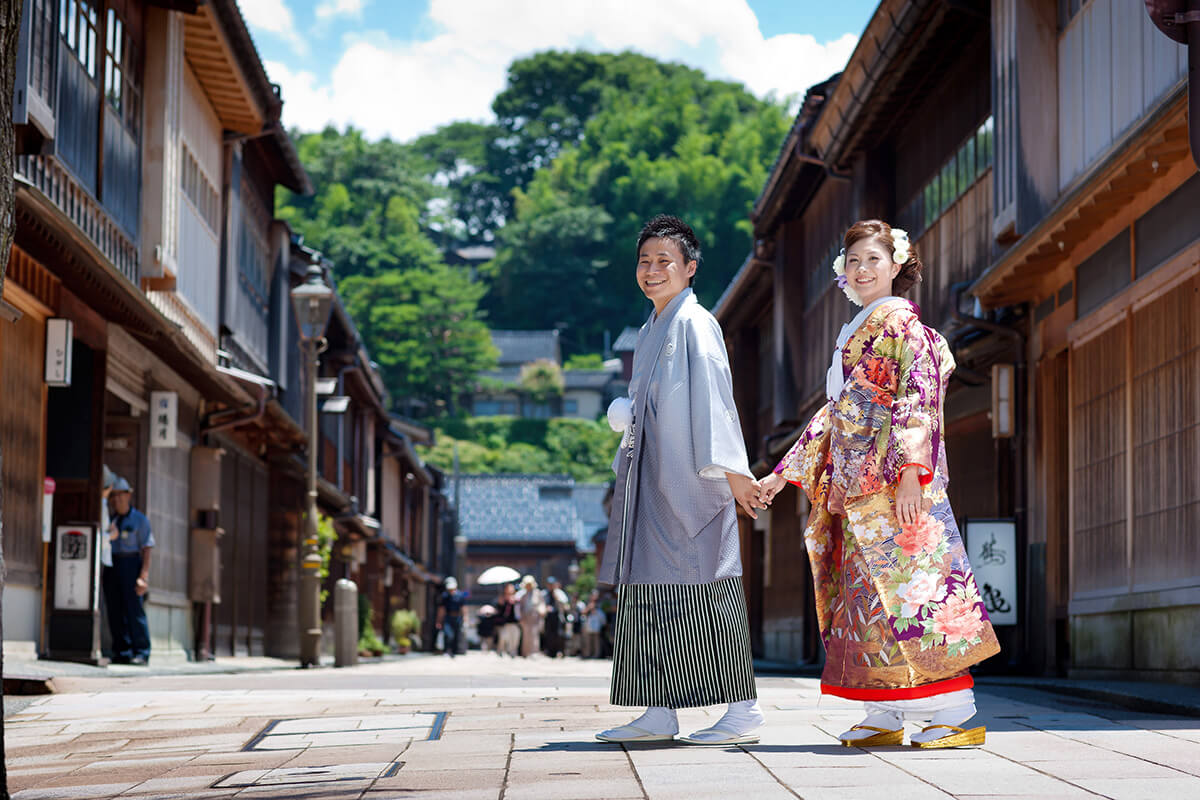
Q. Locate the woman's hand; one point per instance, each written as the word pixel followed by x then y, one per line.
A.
pixel 747 492
pixel 909 499
pixel 772 485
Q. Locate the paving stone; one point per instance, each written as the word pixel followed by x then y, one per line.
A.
pixel 449 779
pixel 73 791
pixel 1143 788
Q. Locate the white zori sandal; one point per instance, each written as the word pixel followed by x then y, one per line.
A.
pixel 632 733
pixel 719 737
pixel 658 724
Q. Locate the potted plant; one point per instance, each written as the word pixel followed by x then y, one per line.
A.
pixel 405 623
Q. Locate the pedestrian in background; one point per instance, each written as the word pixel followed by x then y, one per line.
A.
pixel 450 616
pixel 508 631
pixel 531 613
pixel 485 626
pixel 128 579
pixel 553 640
pixel 594 620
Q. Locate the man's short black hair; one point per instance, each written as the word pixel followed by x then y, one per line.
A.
pixel 665 226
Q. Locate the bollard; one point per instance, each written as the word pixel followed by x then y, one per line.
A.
pixel 345 623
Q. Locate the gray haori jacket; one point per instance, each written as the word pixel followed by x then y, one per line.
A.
pixel 673 517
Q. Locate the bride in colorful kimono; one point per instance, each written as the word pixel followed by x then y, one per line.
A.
pixel 681 638
pixel 898 608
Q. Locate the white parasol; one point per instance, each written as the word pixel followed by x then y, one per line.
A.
pixel 498 574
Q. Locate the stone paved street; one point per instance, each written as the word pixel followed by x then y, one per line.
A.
pixel 481 727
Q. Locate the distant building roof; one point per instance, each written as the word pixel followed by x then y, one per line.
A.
pixel 519 508
pixel 596 379
pixel 521 347
pixel 626 341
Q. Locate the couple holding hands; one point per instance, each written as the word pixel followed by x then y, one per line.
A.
pixel 899 612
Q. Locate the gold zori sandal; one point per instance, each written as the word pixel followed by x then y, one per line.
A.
pixel 958 737
pixel 882 738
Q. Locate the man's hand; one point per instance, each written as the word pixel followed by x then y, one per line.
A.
pixel 772 485
pixel 113 533
pixel 143 585
pixel 747 492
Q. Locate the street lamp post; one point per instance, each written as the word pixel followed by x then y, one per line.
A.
pixel 312 302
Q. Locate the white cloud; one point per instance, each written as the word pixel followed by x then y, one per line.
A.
pixel 335 8
pixel 404 89
pixel 274 17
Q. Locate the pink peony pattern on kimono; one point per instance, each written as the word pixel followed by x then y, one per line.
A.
pixel 922 536
pixel 958 620
pixel 921 589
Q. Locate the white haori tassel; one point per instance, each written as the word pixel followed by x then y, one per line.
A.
pixel 620 413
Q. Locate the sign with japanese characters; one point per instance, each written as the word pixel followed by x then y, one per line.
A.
pixel 74 554
pixel 164 418
pixel 992 549
pixel 48 487
pixel 59 337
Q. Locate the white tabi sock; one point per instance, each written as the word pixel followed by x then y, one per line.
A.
pixel 876 718
pixel 657 719
pixel 741 717
pixel 951 716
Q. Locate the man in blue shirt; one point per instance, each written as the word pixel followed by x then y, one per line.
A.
pixel 127 580
pixel 450 615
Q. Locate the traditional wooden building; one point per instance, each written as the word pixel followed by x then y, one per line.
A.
pixel 147 255
pixel 1096 235
pixel 1042 173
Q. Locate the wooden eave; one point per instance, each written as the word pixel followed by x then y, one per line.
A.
pixel 1136 163
pixel 212 59
pixel 908 47
pixel 752 283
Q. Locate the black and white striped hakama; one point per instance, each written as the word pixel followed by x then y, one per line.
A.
pixel 682 645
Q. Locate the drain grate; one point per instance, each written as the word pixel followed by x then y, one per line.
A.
pixel 304 732
pixel 303 776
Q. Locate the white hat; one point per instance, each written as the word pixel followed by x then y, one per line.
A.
pixel 451 583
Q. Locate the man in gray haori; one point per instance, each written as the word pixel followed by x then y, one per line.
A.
pixel 681 638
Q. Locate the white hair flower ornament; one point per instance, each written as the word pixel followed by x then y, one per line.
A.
pixel 900 238
pixel 839 269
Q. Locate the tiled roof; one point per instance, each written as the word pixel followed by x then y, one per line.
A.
pixel 521 347
pixel 626 341
pixel 519 508
pixel 587 378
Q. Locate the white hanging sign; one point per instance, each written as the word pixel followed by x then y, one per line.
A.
pixel 59 335
pixel 992 550
pixel 164 418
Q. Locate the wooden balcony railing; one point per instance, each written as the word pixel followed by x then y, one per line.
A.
pixel 62 189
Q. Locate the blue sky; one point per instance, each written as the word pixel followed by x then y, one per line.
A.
pixel 400 68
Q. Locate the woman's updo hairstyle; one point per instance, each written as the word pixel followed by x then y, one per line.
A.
pixel 910 270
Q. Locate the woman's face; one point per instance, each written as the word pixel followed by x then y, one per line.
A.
pixel 661 271
pixel 870 269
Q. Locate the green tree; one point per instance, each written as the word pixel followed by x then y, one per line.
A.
pixel 600 143
pixel 585 361
pixel 581 448
pixel 542 380
pixel 422 326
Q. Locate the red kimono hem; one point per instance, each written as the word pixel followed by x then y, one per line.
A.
pixel 905 693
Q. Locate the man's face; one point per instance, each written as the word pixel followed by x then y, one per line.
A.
pixel 121 502
pixel 661 271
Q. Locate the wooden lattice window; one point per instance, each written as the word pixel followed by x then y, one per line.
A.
pixel 1098 454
